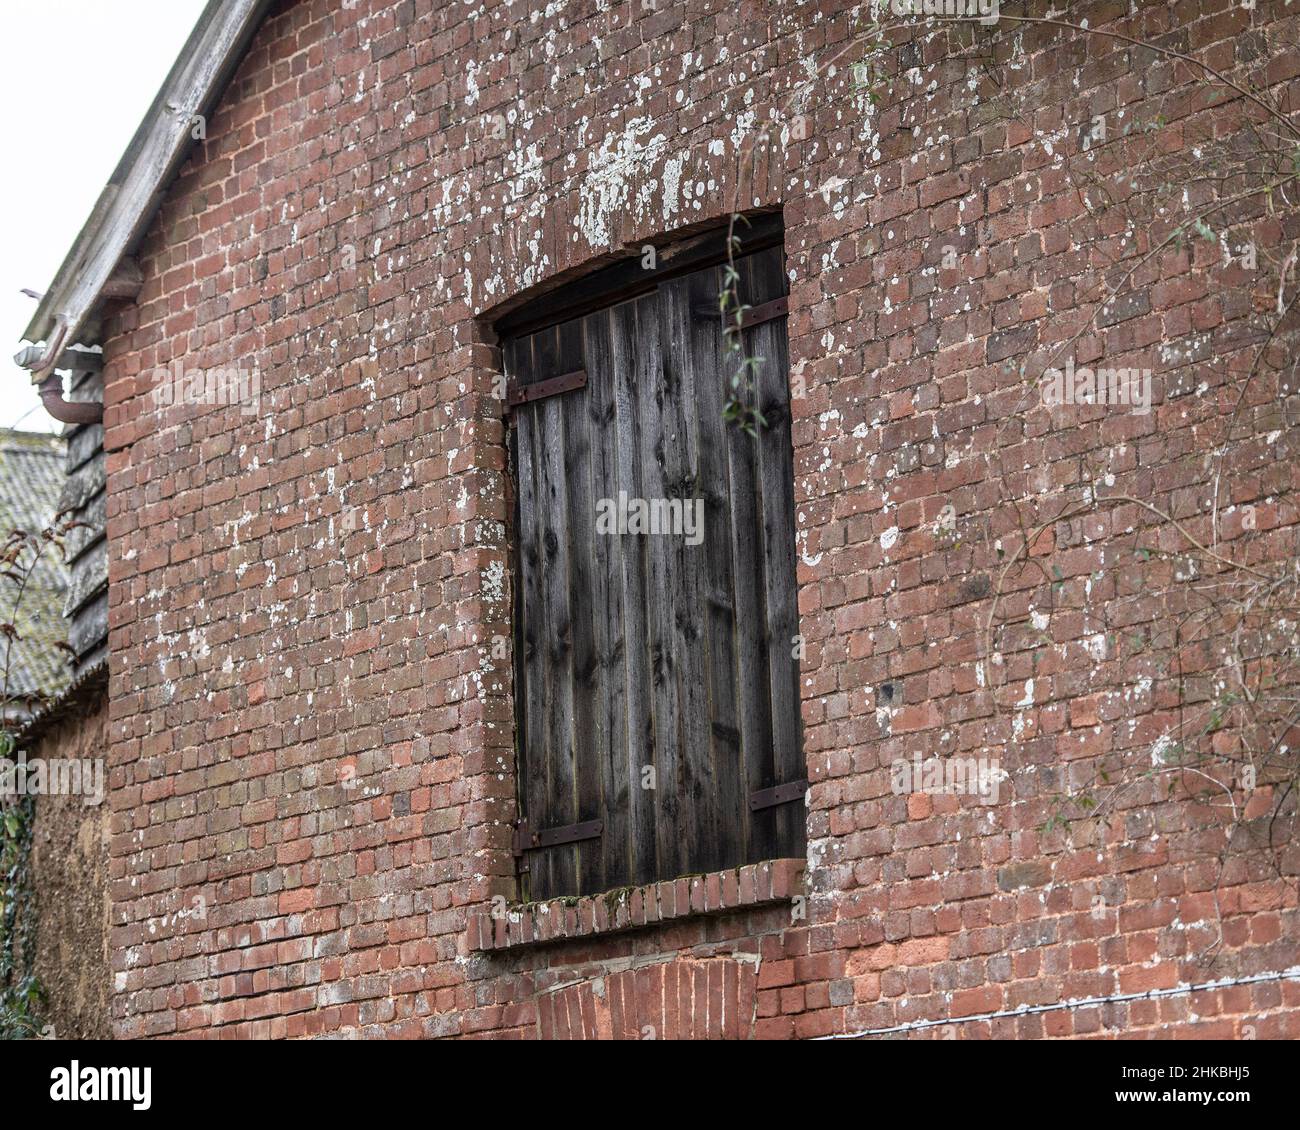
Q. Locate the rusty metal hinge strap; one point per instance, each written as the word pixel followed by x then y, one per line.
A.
pixel 750 316
pixel 525 839
pixel 518 394
pixel 778 794
pixel 757 315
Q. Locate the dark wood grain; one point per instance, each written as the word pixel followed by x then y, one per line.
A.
pixel 641 650
pixel 607 744
pixel 640 750
pixel 763 279
pixel 557 627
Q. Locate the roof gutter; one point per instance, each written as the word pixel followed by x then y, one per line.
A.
pixel 98 267
pixel 45 362
pixel 51 387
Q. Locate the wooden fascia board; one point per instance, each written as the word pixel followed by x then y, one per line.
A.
pixel 132 196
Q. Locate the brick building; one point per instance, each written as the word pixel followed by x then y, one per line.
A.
pixel 323 279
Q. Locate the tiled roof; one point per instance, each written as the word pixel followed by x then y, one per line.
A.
pixel 31 477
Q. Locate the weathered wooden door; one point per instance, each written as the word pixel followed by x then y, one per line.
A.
pixel 656 680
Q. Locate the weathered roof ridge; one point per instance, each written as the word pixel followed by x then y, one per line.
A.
pixel 80 695
pixel 14 439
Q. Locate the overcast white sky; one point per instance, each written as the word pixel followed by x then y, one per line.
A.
pixel 77 77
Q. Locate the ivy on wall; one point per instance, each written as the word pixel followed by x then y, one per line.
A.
pixel 20 992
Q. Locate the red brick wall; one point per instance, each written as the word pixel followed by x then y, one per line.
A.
pixel 308 730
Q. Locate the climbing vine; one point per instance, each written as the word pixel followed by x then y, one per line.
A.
pixel 1197 183
pixel 1193 178
pixel 20 991
pixel 741 407
pixel 21 555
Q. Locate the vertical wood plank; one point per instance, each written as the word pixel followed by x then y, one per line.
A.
pixel 609 735
pixel 749 586
pixel 557 628
pixel 638 748
pixel 763 278
pixel 587 675
pixel 532 660
pixel 656 394
pixel 722 638
pixel 709 804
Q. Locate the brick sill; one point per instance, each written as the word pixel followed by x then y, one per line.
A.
pixel 636 908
